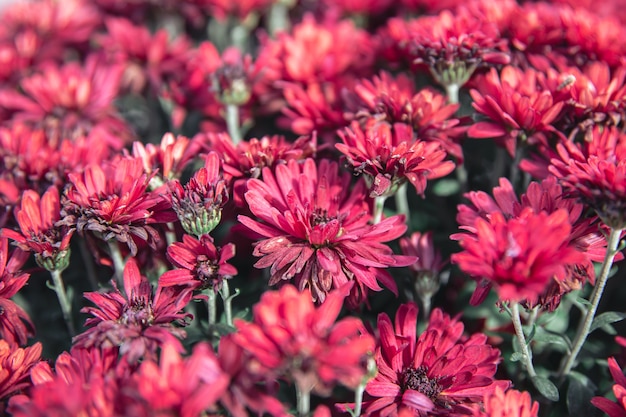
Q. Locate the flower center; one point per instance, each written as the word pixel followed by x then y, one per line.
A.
pixel 320 217
pixel 206 271
pixel 137 312
pixel 418 380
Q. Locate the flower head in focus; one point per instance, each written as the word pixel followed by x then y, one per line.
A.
pixel 438 373
pixel 315 231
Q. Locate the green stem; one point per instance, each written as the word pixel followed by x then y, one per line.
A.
pixel 358 398
pixel 278 18
pixel 66 304
pixel 227 299
pixel 303 401
pixel 118 261
pixel 402 203
pixel 594 301
pixel 379 205
pixel 212 306
pixel 232 123
pixel 519 332
pixel 452 90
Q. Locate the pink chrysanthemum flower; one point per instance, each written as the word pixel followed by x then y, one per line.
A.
pixel 293 339
pixel 598 181
pixel 396 101
pixel 316 230
pixel 15 325
pixel 520 256
pixel 71 101
pixel 15 366
pixel 113 201
pixel 199 203
pixel 546 196
pixel 138 322
pixel 37 218
pixel 180 387
pixel 247 390
pixel 390 155
pixel 85 382
pixel 511 403
pixel 201 264
pixel 516 108
pixel 617 408
pixel 248 158
pixel 438 373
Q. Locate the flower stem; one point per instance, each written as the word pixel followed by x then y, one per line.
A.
pixel 227 299
pixel 379 205
pixel 278 18
pixel 452 91
pixel 402 203
pixel 212 306
pixel 118 261
pixel 303 400
pixel 594 301
pixel 232 123
pixel 519 332
pixel 66 304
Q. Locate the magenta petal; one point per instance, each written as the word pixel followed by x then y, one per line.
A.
pixel 417 400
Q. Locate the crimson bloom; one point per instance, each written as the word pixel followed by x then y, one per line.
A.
pixel 15 325
pixel 37 218
pixel 517 109
pixel 599 180
pixel 546 196
pixel 617 408
pixel 389 155
pixel 293 339
pixel 199 203
pixel 439 373
pixel 316 230
pixel 520 255
pixel 139 322
pixel 511 403
pixel 15 366
pixel 71 101
pixel 202 264
pixel 113 201
pixel 180 387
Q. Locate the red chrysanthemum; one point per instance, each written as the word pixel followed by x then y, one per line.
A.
pixel 198 204
pixel 138 322
pixel 83 383
pixel 511 403
pixel 617 408
pixel 247 390
pixel 248 158
pixel 439 373
pixel 599 181
pixel 148 59
pixel 201 264
pixel 113 201
pixel 15 325
pixel 37 218
pixel 395 101
pixel 547 197
pixel 517 109
pixel 180 387
pixel 390 155
pixel 293 339
pixel 316 230
pixel 15 366
pixel 520 256
pixel 70 101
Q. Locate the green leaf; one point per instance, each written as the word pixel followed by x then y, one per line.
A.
pixel 532 334
pixel 446 187
pixel 543 336
pixel 546 388
pixel 580 391
pixel 606 318
pixel 516 357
